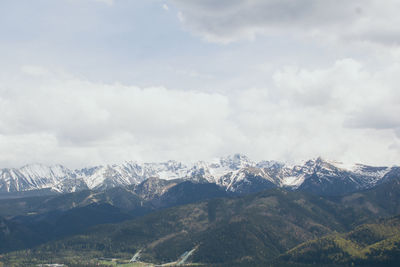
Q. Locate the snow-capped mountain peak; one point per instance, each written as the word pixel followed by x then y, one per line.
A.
pixel 234 173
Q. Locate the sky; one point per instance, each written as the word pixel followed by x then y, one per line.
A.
pixel 87 82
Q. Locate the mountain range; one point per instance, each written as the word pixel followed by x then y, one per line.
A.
pixel 275 227
pixel 228 212
pixel 235 173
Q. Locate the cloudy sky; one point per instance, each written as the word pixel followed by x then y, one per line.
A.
pixel 86 82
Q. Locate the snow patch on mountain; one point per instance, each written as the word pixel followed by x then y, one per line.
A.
pixel 293 181
pixel 235 172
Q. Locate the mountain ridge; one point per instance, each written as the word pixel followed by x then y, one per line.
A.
pixel 235 173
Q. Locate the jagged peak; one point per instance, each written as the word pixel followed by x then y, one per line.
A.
pixel 133 172
pixel 38 169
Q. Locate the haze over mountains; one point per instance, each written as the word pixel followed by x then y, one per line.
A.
pixel 236 173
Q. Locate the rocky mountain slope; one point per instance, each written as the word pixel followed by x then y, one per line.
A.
pixel 235 173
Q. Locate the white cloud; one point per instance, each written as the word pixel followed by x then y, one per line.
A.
pixel 74 114
pixel 227 21
pixel 181 18
pixel 165 7
pixel 34 70
pixel 344 111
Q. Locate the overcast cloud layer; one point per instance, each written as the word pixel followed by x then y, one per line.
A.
pixel 97 81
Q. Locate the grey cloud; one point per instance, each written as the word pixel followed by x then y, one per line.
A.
pixel 227 21
pixel 397 131
pixel 375 117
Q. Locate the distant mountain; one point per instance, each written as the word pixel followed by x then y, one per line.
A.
pixel 330 178
pixel 37 176
pixel 235 173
